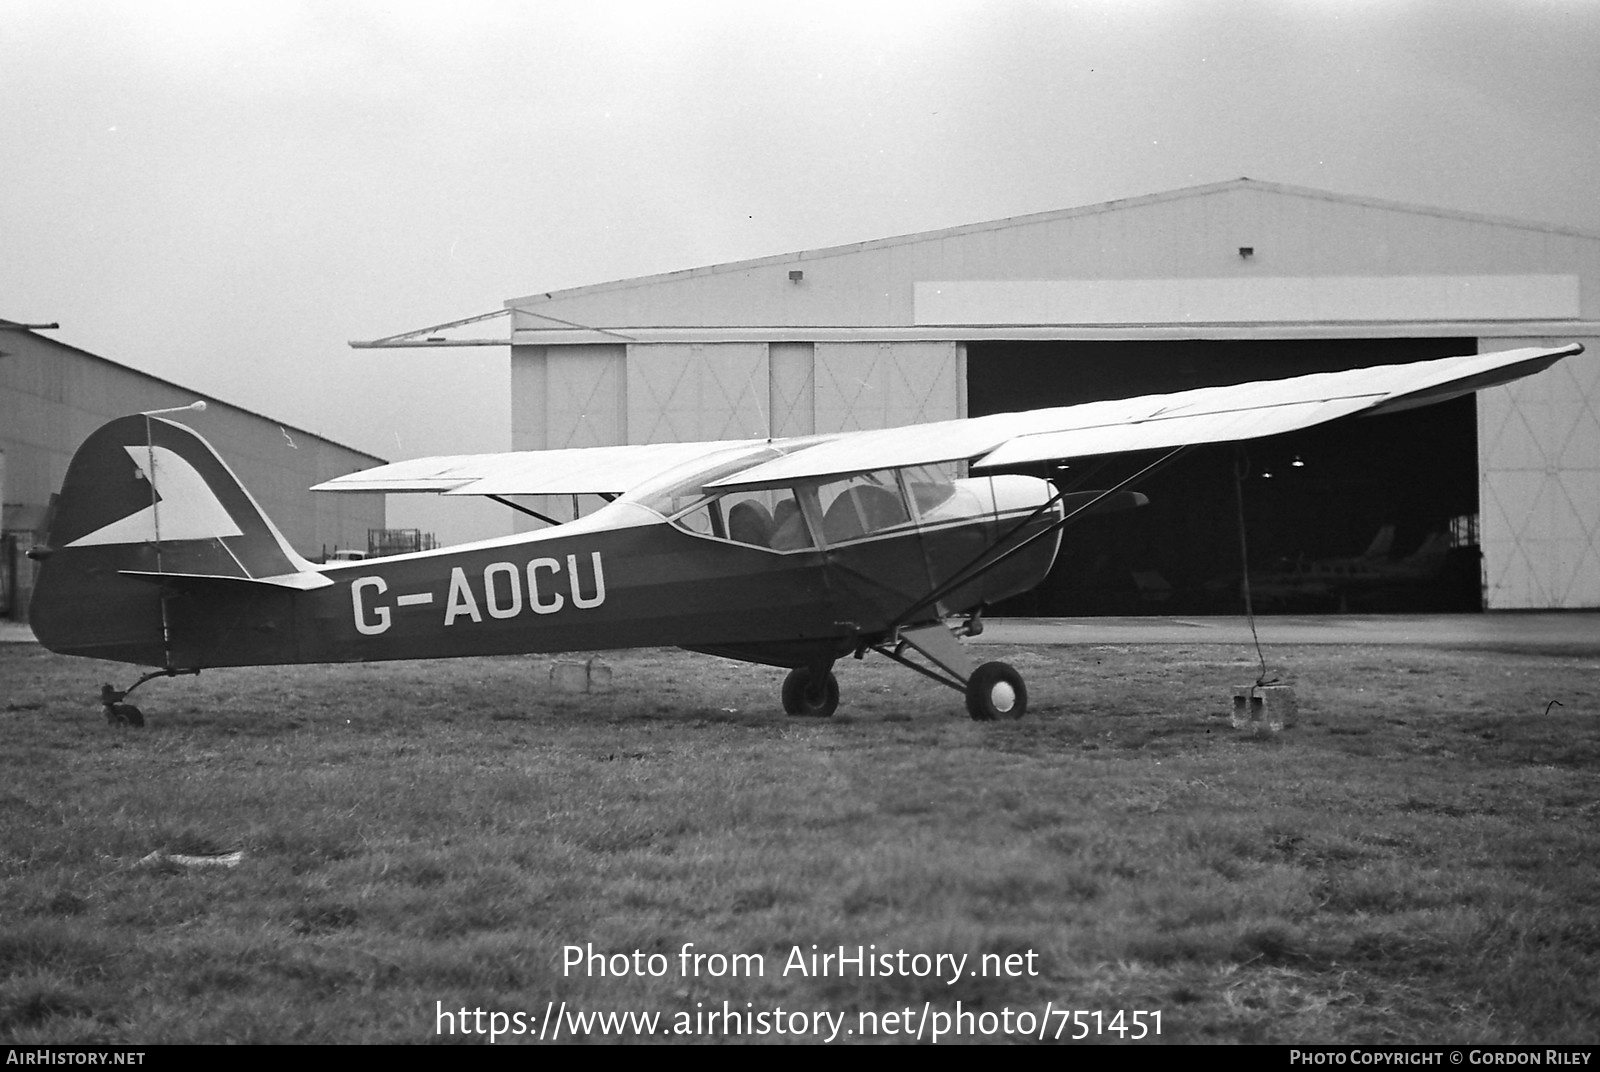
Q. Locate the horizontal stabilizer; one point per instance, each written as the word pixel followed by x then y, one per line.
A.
pixel 301 582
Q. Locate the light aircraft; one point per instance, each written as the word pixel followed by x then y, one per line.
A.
pixel 1336 579
pixel 790 552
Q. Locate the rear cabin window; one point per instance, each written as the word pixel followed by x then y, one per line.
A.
pixel 770 519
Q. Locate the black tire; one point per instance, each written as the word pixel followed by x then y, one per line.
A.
pixel 996 691
pixel 810 696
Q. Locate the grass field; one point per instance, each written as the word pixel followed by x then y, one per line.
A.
pixel 1414 861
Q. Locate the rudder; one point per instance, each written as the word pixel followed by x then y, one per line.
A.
pixel 149 496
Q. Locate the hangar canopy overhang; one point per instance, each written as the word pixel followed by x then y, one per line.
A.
pixel 1053 332
pixel 524 334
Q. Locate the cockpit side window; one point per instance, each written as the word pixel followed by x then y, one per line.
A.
pixel 866 504
pixel 860 506
pixel 930 487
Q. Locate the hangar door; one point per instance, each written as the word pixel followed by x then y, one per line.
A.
pixel 1368 515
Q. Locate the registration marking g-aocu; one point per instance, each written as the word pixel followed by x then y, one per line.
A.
pixel 507 591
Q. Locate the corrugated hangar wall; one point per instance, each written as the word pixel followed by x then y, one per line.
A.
pixel 52 396
pixel 594 395
pixel 898 330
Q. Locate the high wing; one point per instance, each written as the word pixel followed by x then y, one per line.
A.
pixel 1205 415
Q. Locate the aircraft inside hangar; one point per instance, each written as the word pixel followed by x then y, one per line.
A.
pixel 1314 502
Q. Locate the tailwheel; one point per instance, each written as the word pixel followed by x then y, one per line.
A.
pixel 996 690
pixel 811 691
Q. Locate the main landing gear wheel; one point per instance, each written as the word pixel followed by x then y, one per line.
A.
pixel 995 690
pixel 809 693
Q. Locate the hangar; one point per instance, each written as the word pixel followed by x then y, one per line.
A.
pixel 1488 503
pixel 52 396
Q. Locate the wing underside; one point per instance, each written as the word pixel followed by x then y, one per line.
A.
pixel 567 471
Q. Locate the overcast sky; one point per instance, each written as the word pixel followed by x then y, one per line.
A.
pixel 224 194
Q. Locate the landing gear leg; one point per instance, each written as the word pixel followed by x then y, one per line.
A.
pixel 993 690
pixel 119 713
pixel 811 691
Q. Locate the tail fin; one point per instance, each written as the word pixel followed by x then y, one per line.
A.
pixel 145 499
pixel 1432 549
pixel 1381 544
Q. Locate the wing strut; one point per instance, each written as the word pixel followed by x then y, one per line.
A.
pixel 503 501
pixel 981 563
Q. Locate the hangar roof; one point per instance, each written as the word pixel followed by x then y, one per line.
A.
pixel 1231 258
pixel 1036 218
pixel 27 329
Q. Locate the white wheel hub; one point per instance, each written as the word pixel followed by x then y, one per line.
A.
pixel 1002 696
